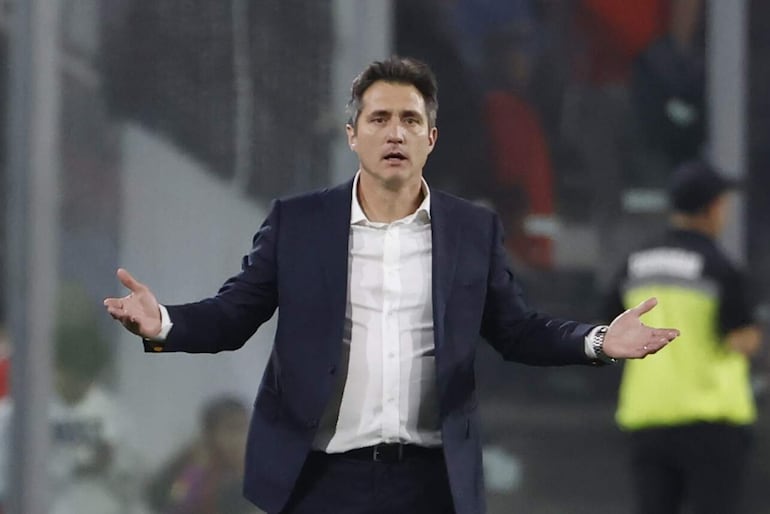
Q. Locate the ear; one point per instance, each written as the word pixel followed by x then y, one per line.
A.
pixel 351 132
pixel 432 137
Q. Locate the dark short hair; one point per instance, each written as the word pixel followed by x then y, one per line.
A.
pixel 397 70
pixel 695 185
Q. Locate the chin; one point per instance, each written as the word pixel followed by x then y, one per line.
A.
pixel 392 177
pixel 397 180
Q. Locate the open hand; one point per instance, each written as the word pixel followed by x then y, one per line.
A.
pixel 629 338
pixel 139 311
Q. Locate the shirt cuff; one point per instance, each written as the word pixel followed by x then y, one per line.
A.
pixel 165 326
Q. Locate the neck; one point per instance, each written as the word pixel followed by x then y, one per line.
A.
pixel 385 204
pixel 697 223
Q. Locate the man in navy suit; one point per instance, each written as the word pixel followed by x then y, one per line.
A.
pixel 368 403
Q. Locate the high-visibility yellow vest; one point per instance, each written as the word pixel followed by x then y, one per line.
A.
pixel 696 378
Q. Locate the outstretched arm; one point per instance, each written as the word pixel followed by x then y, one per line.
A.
pixel 138 311
pixel 629 338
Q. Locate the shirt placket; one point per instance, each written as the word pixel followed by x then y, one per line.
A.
pixel 391 391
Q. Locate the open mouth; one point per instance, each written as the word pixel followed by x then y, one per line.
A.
pixel 394 157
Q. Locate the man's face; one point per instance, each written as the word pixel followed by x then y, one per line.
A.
pixel 392 137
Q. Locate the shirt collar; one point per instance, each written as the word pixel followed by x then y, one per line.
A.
pixel 357 213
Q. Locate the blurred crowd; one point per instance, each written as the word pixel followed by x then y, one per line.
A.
pixel 564 115
pixel 93 469
pixel 560 110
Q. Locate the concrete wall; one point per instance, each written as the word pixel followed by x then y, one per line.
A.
pixel 183 233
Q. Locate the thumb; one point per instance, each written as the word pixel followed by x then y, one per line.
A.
pixel 645 306
pixel 129 281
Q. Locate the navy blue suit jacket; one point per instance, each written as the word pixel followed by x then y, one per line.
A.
pixel 299 265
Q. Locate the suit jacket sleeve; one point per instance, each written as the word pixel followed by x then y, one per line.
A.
pixel 246 300
pixel 516 331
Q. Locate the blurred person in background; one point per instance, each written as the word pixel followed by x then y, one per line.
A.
pixel 461 164
pixel 383 286
pixel 688 408
pixel 522 185
pixel 91 470
pixel 205 477
pixel 633 88
pixel 668 82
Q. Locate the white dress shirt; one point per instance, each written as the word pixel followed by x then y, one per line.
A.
pixel 388 391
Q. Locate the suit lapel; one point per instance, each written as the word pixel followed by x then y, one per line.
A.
pixel 445 236
pixel 333 236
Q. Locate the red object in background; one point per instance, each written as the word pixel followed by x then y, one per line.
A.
pixel 5 372
pixel 519 149
pixel 521 160
pixel 615 33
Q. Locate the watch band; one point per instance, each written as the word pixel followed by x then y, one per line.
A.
pixel 597 344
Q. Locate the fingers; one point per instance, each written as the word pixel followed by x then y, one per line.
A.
pixel 668 333
pixel 655 349
pixel 659 338
pixel 129 281
pixel 118 316
pixel 655 345
pixel 116 306
pixel 650 348
pixel 645 306
pixel 116 309
pixel 118 312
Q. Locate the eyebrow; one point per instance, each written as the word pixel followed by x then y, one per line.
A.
pixel 406 113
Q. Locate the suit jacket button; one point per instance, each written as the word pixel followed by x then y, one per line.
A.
pixel 313 423
pixel 332 370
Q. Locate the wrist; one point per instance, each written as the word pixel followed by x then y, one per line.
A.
pixel 595 341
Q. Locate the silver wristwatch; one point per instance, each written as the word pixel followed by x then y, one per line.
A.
pixel 597 344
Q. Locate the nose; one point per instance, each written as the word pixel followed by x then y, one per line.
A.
pixel 395 132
